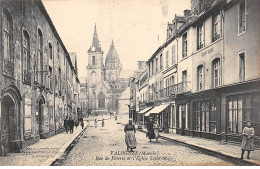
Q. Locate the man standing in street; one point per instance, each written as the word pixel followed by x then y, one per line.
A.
pixel 71 125
pixel 66 124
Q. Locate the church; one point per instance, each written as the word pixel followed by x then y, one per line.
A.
pixel 104 85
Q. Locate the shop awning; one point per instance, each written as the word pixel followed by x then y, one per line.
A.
pixel 157 109
pixel 145 110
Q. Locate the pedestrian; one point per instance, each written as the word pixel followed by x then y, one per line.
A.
pixel 103 122
pixel 115 117
pixel 150 133
pixel 71 125
pixel 248 139
pixel 66 124
pixel 130 135
pixel 95 123
pixel 156 130
pixel 81 122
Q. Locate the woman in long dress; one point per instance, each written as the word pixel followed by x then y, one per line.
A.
pixel 156 130
pixel 130 135
pixel 149 125
pixel 248 140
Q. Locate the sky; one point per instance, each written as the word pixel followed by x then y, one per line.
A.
pixel 137 27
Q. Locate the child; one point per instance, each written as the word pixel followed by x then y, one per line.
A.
pixel 248 139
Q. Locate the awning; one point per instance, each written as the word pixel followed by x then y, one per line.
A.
pixel 157 109
pixel 145 110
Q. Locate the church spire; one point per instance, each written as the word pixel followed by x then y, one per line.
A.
pixel 95 42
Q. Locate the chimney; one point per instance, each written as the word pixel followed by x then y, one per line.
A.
pixel 186 12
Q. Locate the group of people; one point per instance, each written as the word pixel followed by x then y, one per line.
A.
pixel 130 140
pixel 69 124
pixel 153 133
pixel 102 123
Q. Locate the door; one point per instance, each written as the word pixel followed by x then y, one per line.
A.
pixel 183 119
pixel 7 123
pixel 39 111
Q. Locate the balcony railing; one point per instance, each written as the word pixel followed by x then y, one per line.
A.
pixel 175 89
pixel 27 76
pixel 8 68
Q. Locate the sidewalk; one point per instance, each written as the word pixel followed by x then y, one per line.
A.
pixel 227 150
pixel 42 153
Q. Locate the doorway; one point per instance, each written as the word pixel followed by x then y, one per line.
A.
pixel 8 125
pixel 39 117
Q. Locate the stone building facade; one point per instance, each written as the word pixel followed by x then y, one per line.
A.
pixel 38 80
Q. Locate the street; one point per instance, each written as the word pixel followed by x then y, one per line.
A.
pixel 106 146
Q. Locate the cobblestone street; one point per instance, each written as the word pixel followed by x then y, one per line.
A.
pixel 106 146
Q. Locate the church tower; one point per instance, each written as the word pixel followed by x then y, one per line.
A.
pixel 95 68
pixel 112 64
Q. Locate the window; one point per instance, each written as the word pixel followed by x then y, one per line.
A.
pixel 161 88
pixel 161 62
pixel 7 32
pixel 200 36
pixel 26 51
pixel 205 116
pixel 26 58
pixel 216 27
pixel 242 66
pixel 167 59
pixel 200 77
pixel 58 51
pixel 173 54
pixel 93 60
pixel 28 116
pixel 51 78
pixel 184 45
pixel 156 65
pixel 8 62
pixel 59 82
pixel 216 72
pixel 152 67
pixel 50 51
pixel 242 17
pixel 39 71
pixel 235 105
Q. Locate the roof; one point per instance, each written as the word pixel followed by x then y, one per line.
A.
pixel 112 56
pixel 47 17
pixel 95 47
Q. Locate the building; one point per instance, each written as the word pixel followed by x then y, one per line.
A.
pixel 104 82
pixel 205 72
pixel 38 79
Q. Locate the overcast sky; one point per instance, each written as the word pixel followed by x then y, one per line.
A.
pixel 133 24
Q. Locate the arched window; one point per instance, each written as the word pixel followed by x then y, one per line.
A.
pixel 26 58
pixel 216 72
pixel 8 61
pixel 26 51
pixel 93 60
pixel 50 51
pixel 200 77
pixel 7 32
pixel 40 56
pixel 101 100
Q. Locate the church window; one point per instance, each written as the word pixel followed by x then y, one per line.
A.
pixel 93 60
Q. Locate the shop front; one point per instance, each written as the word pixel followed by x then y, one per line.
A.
pixel 240 104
